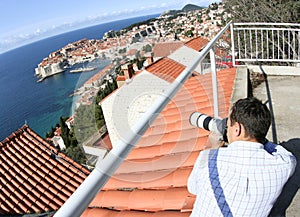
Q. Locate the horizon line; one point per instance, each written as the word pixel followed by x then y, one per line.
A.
pixel 37 39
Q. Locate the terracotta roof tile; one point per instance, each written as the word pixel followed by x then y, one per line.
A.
pixel 153 178
pixel 35 176
pixel 166 69
pixel 145 200
pixel 197 43
pixel 121 78
pixel 166 48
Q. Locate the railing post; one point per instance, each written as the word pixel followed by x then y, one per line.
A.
pixel 232 45
pixel 214 81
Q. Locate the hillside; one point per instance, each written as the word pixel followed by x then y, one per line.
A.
pixel 191 7
pixel 186 8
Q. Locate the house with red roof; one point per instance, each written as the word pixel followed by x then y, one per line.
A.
pixel 36 178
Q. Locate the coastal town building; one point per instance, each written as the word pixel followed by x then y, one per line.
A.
pixel 36 177
pixel 70 121
pixel 58 140
pixel 48 69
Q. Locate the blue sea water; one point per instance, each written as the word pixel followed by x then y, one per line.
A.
pixel 22 99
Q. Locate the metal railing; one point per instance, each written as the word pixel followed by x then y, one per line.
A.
pixel 266 42
pixel 105 168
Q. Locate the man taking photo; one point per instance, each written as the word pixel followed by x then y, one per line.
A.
pixel 245 178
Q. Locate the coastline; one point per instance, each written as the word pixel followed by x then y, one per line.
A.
pixel 48 76
pixel 41 104
pixel 91 83
pixel 50 99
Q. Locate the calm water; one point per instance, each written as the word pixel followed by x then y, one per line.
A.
pixel 41 104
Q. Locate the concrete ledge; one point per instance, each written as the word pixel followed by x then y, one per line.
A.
pixel 95 151
pixel 240 87
pixel 276 70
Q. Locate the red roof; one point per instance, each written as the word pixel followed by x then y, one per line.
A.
pixel 35 176
pixel 152 180
pixel 197 43
pixel 166 48
pixel 121 78
pixel 166 69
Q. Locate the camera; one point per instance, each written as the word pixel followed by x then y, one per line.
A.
pixel 215 125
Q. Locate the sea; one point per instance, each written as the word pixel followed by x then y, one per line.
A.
pixel 40 105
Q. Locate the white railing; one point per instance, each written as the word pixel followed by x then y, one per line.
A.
pixel 86 192
pixel 266 42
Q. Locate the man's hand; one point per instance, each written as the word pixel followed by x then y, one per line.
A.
pixel 215 141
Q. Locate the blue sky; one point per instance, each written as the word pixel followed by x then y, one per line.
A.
pixel 24 21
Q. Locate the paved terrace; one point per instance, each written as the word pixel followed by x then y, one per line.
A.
pixel 281 90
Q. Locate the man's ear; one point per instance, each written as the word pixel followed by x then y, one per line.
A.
pixel 237 129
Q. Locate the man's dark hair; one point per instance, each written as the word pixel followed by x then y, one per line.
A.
pixel 253 115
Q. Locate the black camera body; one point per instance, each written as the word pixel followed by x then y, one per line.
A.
pixel 216 125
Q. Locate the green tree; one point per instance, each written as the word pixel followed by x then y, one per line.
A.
pixel 73 150
pixel 274 11
pixel 176 36
pixel 214 6
pixel 140 62
pixel 189 33
pixel 64 131
pixel 76 153
pixel 147 48
pixel 50 134
pixel 122 51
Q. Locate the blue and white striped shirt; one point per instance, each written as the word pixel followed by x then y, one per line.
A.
pixel 240 180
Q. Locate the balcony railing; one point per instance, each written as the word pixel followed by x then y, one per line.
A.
pixel 266 42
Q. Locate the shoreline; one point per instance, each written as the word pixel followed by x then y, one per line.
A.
pixel 41 104
pixel 101 73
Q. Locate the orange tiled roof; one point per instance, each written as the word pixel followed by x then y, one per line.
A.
pixel 152 180
pixel 35 177
pixel 121 78
pixel 166 48
pixel 197 43
pixel 166 69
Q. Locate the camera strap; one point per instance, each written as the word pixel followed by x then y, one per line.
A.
pixel 215 183
pixel 270 147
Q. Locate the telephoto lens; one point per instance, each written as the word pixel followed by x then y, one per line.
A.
pixel 215 125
